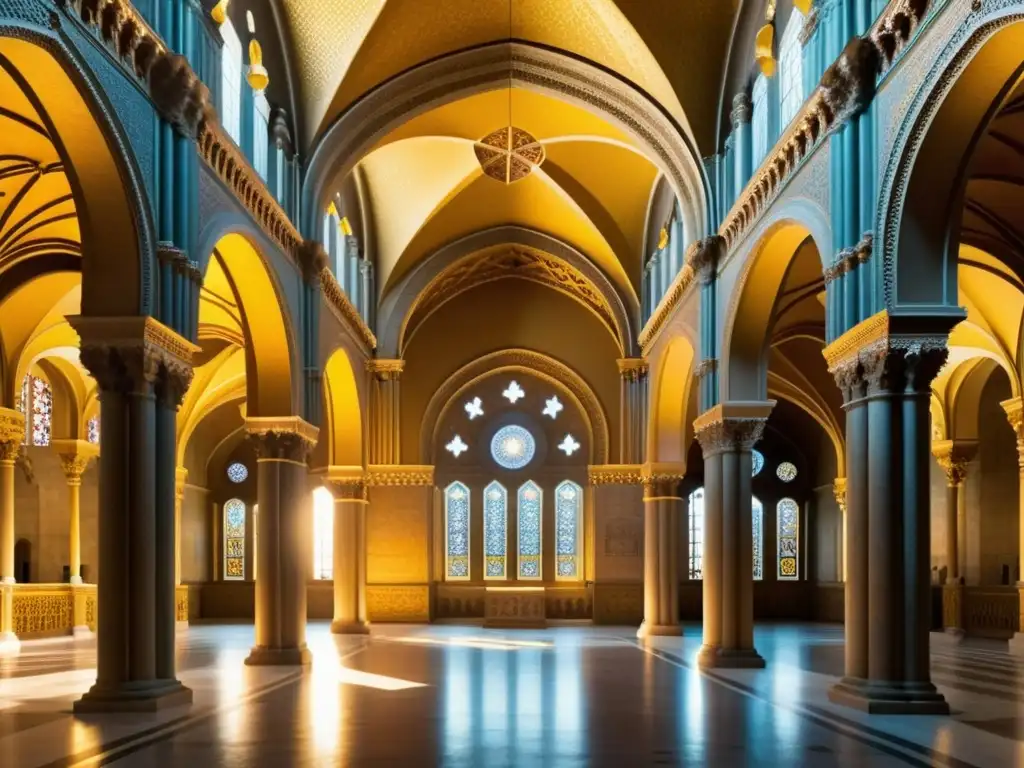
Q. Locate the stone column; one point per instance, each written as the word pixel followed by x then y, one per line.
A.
pixel 180 478
pixel 75 456
pixel 135 361
pixel 839 491
pixel 12 433
pixel 1015 413
pixel 954 456
pixel 284 548
pixel 662 508
pixel 632 410
pixel 384 447
pixel 727 433
pixel 886 375
pixel 349 556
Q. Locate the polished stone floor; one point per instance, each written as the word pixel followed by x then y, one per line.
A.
pixel 466 696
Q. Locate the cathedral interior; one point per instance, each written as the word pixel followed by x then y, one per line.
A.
pixel 523 382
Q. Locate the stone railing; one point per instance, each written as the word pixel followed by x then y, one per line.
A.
pixel 991 611
pixel 845 91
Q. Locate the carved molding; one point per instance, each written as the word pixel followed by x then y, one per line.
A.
pixel 399 475
pixel 706 367
pixel 633 368
pixel 850 258
pixel 666 307
pixel 12 433
pixel 614 474
pixel 345 310
pixel 734 426
pixel 839 492
pixel 954 456
pixel 385 370
pixel 287 438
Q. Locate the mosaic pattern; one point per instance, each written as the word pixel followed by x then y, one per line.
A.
pixel 756 463
pixel 530 504
pixel 234 540
pixel 788 527
pixel 509 154
pixel 786 472
pixel 456 521
pixel 237 473
pixel 757 525
pixel 513 447
pixel 568 515
pixel 42 412
pixel 495 527
pixel 92 430
pixel 696 526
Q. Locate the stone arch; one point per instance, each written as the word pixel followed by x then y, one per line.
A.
pixel 670 429
pixel 923 187
pixel 754 296
pixel 269 334
pixel 117 234
pixel 502 65
pixel 569 383
pixel 341 444
pixel 962 418
pixel 398 305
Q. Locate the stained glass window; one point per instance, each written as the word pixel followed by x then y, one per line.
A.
pixel 42 411
pixel 23 403
pixel 786 472
pixel 513 447
pixel 495 527
pixel 569 445
pixel 92 430
pixel 756 463
pixel 234 540
pixel 237 472
pixel 323 534
pixel 696 526
pixel 456 523
pixel 474 408
pixel 456 446
pixel 757 524
pixel 788 526
pixel 552 407
pixel 568 523
pixel 791 68
pixel 530 506
pixel 514 392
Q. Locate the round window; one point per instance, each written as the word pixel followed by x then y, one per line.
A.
pixel 513 447
pixel 237 473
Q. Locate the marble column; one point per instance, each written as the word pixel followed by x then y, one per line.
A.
pixel 12 433
pixel 349 560
pixel 633 393
pixel 75 456
pixel 662 511
pixel 839 491
pixel 954 456
pixel 285 538
pixel 136 361
pixel 384 432
pixel 886 378
pixel 727 434
pixel 1015 413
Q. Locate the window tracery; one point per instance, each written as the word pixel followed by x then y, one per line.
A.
pixel 786 472
pixel 569 445
pixel 234 540
pixel 474 408
pixel 456 521
pixel 495 530
pixel 788 530
pixel 530 511
pixel 513 447
pixel 238 472
pixel 514 392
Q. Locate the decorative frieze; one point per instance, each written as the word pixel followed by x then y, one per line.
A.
pixel 633 368
pixel 614 474
pixel 281 438
pixel 849 258
pixel 706 368
pixel 399 475
pixel 734 426
pixel 385 370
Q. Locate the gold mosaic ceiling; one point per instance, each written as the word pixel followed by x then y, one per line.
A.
pixel 675 51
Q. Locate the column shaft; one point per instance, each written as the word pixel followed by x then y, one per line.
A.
pixel 856 589
pixel 885 588
pixel 661 557
pixel 12 432
pixel 953 492
pixel 74 531
pixel 711 558
pixel 349 559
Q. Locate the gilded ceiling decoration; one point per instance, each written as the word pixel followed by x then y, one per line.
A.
pixel 37 211
pixel 515 262
pixel 509 154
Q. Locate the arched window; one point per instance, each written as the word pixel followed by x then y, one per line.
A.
pixel 495 530
pixel 696 527
pixel 37 405
pixel 323 534
pixel 456 527
pixel 231 81
pixel 759 119
pixel 788 528
pixel 757 523
pixel 791 91
pixel 92 430
pixel 234 540
pixel 530 509
pixel 568 517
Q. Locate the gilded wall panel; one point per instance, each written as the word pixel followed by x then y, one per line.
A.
pixel 618 603
pixel 398 603
pixel 398 534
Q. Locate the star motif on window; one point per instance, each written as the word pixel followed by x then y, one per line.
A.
pixel 456 446
pixel 569 445
pixel 514 392
pixel 474 408
pixel 553 406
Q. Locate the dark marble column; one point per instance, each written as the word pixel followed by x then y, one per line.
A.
pixel 285 541
pixel 662 505
pixel 133 361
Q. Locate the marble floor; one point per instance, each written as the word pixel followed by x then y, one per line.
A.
pixel 466 696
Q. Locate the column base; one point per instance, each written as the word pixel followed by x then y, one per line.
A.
pixel 888 698
pixel 716 657
pixel 659 630
pixel 9 644
pixel 263 656
pixel 339 627
pixel 150 696
pixel 1015 644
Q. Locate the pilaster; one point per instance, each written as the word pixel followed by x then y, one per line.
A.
pixel 727 434
pixel 633 409
pixel 662 521
pixel 385 433
pixel 1014 408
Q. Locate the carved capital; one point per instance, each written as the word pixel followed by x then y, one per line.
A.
pixel 704 255
pixel 286 438
pixel 385 370
pixel 954 456
pixel 632 368
pixel 614 474
pixel 742 108
pixel 312 259
pixel 180 96
pixel 839 491
pixel 735 426
pixel 12 434
pixel 348 489
pixel 1014 408
pixel 706 367
pixel 848 85
pixel 75 456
